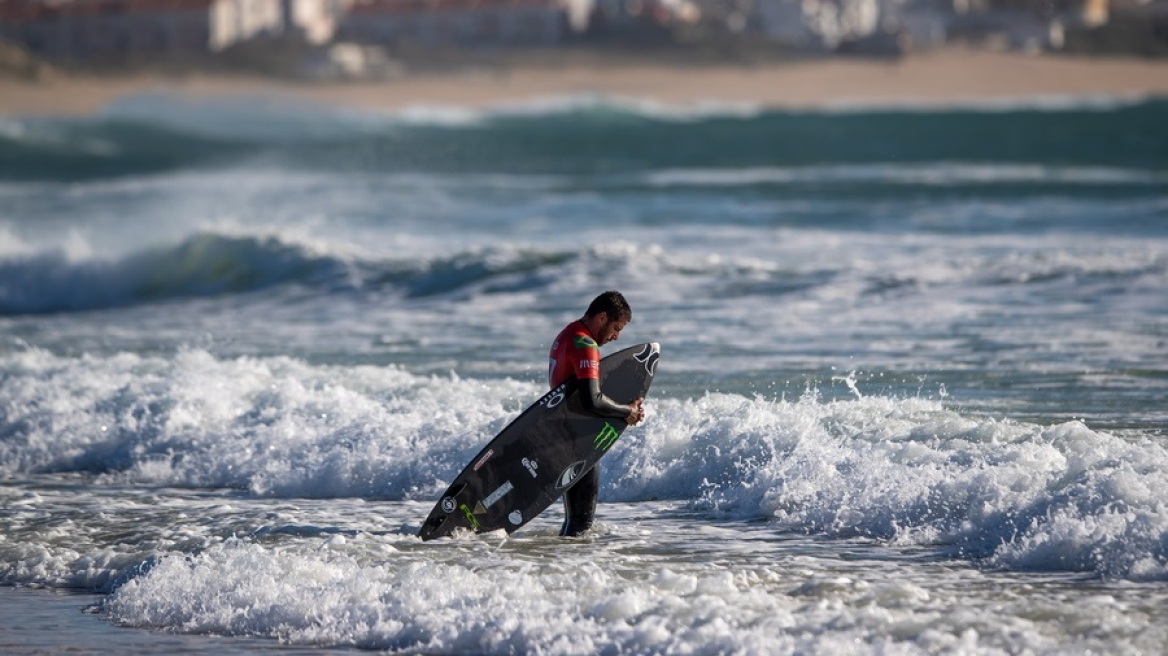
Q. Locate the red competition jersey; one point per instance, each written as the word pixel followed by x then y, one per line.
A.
pixel 574 354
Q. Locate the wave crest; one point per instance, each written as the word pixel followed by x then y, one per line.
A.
pixel 208 264
pixel 204 264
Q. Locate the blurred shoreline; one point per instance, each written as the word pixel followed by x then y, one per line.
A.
pixel 950 76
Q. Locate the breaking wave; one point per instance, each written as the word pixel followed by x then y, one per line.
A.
pixel 906 470
pixel 153 134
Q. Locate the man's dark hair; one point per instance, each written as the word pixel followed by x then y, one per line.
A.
pixel 614 304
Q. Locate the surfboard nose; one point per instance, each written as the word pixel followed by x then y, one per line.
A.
pixel 649 356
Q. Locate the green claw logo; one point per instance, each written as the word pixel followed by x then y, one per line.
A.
pixel 474 523
pixel 606 437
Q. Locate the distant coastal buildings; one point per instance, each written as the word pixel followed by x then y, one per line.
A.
pixel 441 23
pixel 356 37
pixel 77 29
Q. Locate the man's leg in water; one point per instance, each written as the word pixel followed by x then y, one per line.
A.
pixel 580 503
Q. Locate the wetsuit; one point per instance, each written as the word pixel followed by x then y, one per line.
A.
pixel 575 354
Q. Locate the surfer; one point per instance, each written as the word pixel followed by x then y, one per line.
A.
pixel 575 353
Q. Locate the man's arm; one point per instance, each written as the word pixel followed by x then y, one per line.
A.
pixel 596 402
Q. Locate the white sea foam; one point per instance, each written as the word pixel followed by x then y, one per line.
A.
pixel 905 470
pixel 934 174
pixel 494 604
pixel 552 597
pixel 627 104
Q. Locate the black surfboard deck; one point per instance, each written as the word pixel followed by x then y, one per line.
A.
pixel 535 458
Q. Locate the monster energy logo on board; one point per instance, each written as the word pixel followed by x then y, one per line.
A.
pixel 606 437
pixel 474 523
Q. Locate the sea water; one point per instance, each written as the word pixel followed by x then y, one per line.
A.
pixel 912 398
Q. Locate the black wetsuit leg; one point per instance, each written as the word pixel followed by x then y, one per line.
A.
pixel 580 503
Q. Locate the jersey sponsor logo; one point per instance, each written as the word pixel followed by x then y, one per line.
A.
pixel 589 364
pixel 569 475
pixel 516 517
pixel 532 467
pixel 498 494
pixel 483 460
pixel 584 341
pixel 606 437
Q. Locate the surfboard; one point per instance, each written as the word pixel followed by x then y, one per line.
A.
pixel 530 463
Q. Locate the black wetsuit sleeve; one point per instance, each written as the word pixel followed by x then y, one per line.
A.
pixel 597 403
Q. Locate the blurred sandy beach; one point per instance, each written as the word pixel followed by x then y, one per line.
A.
pixel 950 76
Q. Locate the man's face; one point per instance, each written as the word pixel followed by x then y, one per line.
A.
pixel 609 330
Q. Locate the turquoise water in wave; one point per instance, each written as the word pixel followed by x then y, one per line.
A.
pixel 911 400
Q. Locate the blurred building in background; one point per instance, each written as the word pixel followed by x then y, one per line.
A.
pixel 457 23
pixel 356 38
pixel 77 29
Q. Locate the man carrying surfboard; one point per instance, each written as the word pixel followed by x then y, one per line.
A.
pixel 575 353
pixel 555 444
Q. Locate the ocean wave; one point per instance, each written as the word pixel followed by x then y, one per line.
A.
pixel 258 115
pixel 273 426
pixel 235 261
pixel 579 134
pixel 204 264
pixel 891 173
pixel 79 149
pixel 484 604
pixel 911 471
pixel 217 263
pixel 1051 102
pixel 905 470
